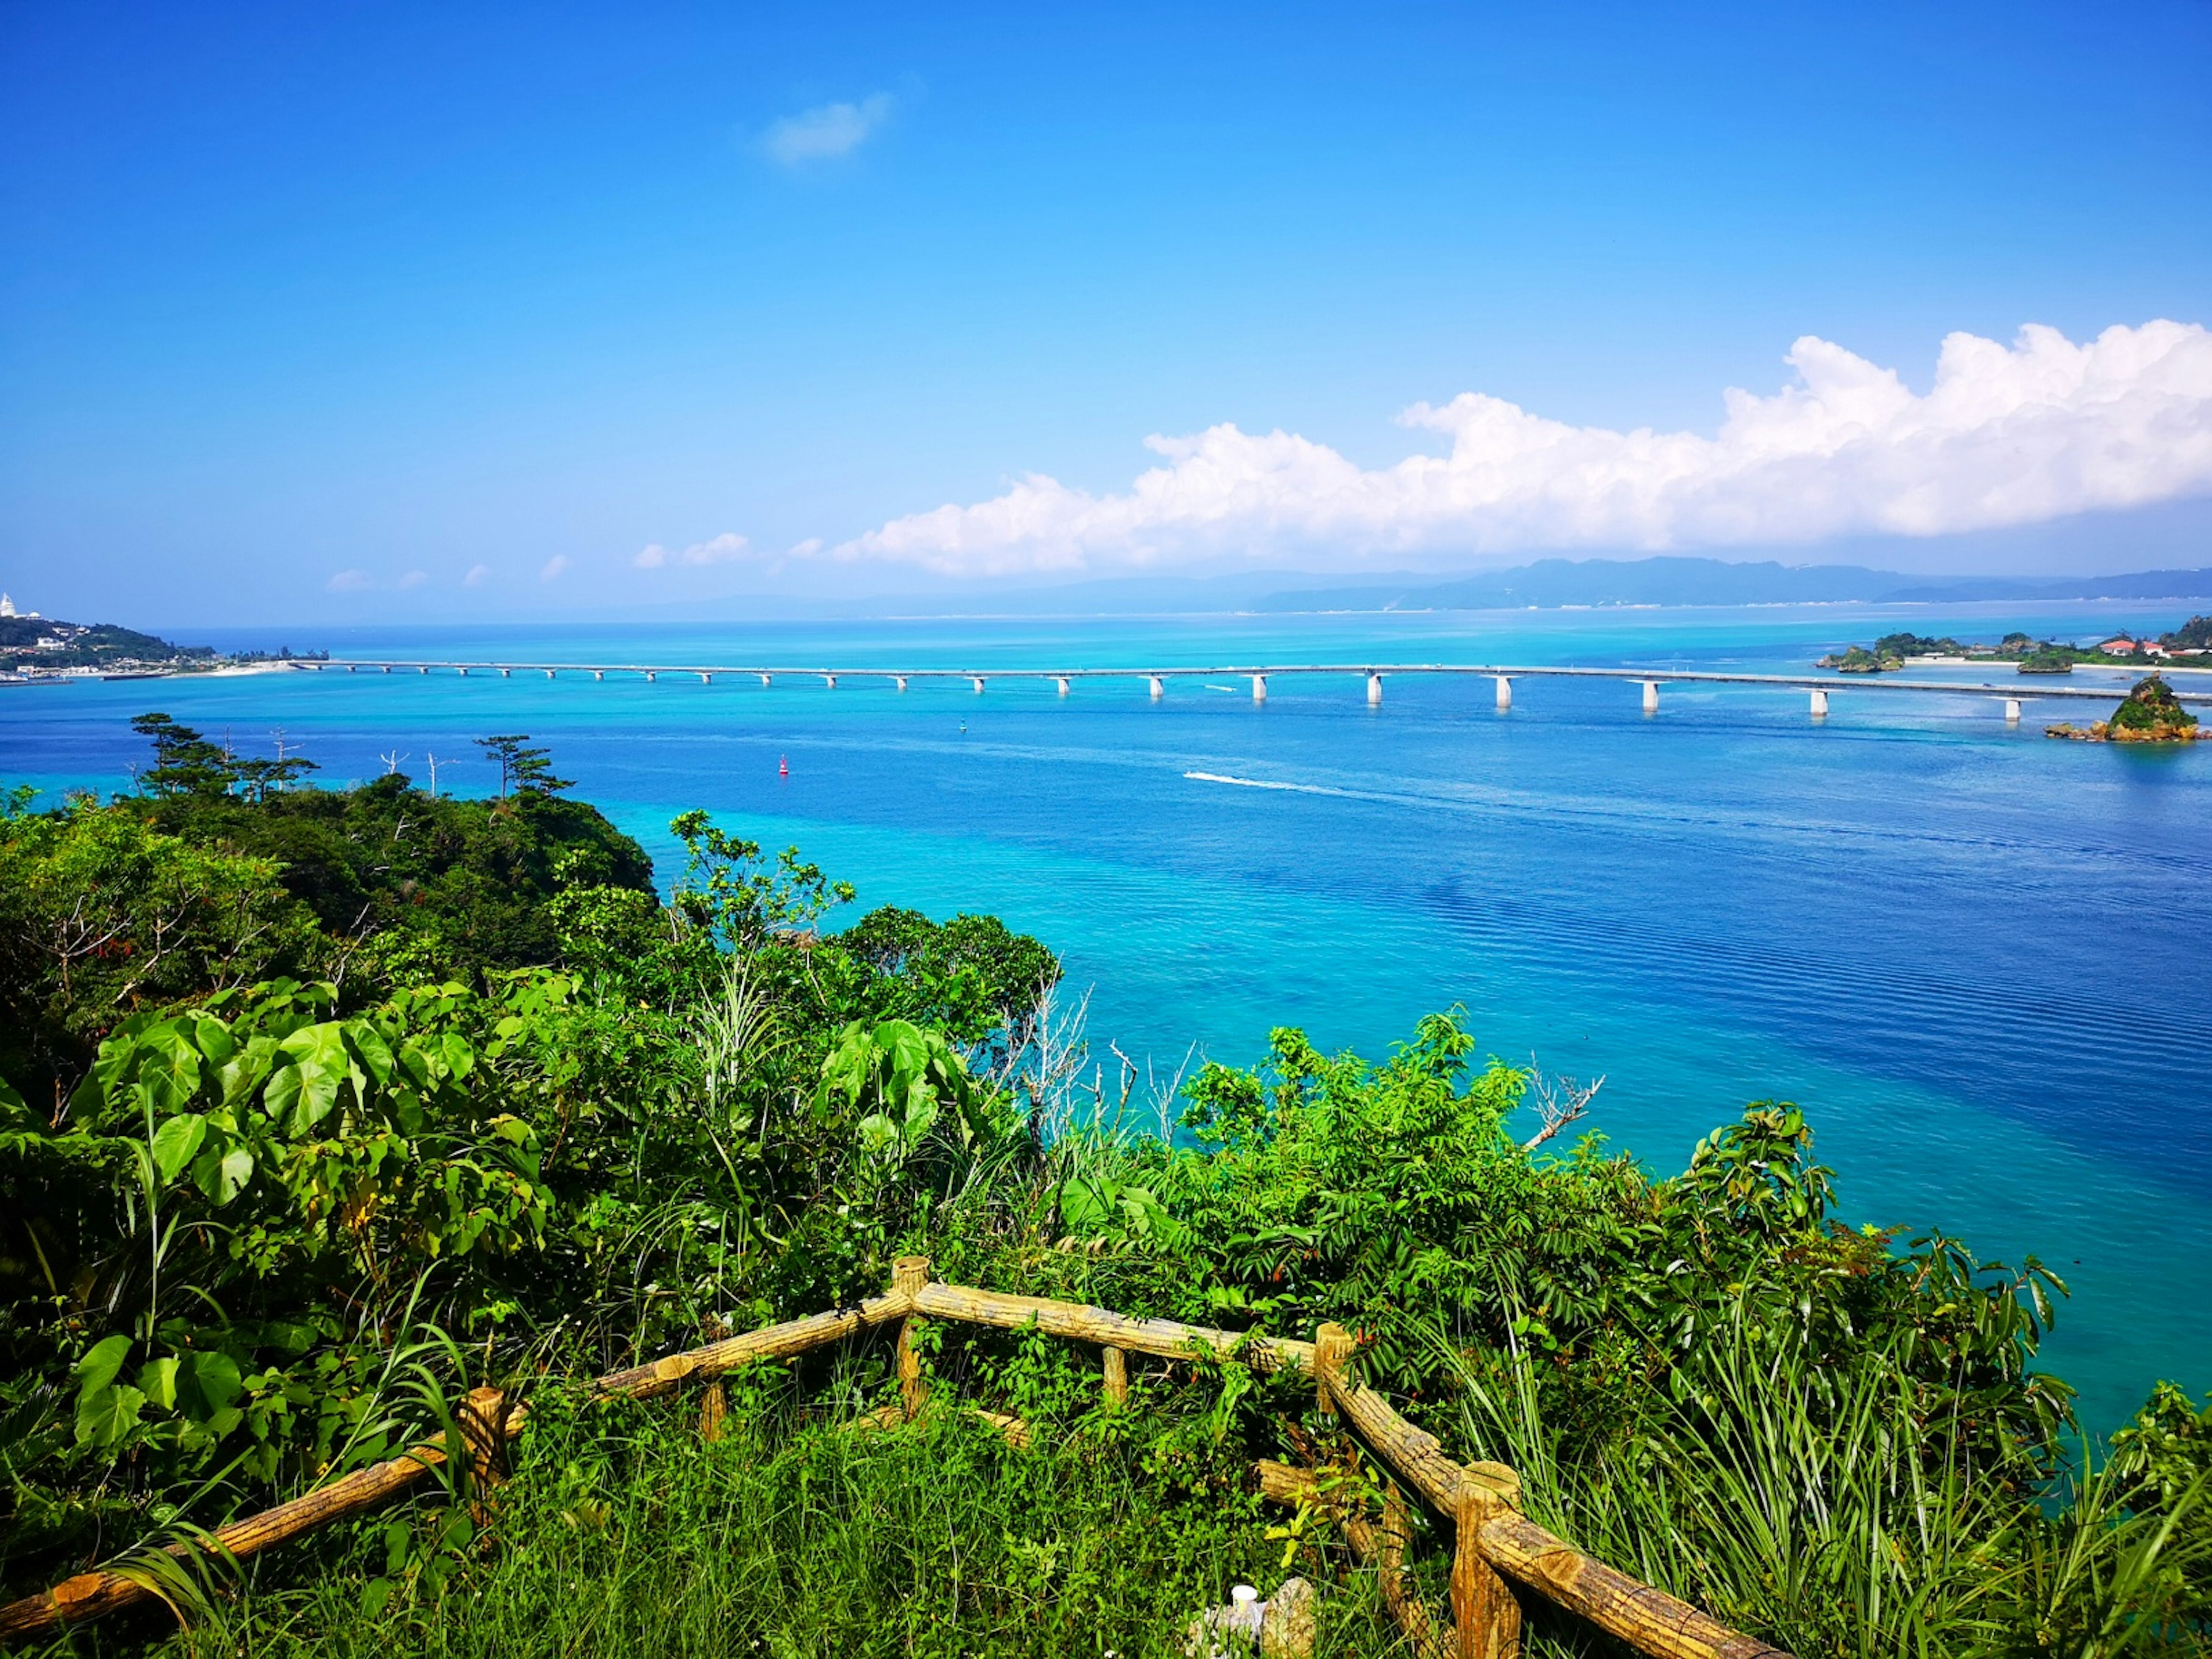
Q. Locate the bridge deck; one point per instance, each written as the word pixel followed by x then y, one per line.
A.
pixel 2030 686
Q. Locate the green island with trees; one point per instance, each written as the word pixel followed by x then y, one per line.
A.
pixel 321 1107
pixel 33 647
pixel 2028 654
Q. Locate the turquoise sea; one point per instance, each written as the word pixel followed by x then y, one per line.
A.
pixel 1977 956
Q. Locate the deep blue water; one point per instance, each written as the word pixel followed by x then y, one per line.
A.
pixel 1976 956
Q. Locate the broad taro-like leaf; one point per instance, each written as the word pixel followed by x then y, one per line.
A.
pixel 303 1094
pixel 244 1070
pixel 105 1415
pixel 177 1142
pixel 222 1170
pixel 157 1381
pixel 211 1036
pixel 374 1053
pixel 102 1362
pixel 169 1068
pixel 207 1383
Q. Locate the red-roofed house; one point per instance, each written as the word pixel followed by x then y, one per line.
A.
pixel 2120 646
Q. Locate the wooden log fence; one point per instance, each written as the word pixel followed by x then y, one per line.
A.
pixel 1493 1542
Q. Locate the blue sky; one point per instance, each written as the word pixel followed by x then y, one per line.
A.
pixel 312 312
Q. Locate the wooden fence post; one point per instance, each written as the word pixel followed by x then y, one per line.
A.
pixel 909 1275
pixel 1332 1345
pixel 1486 1617
pixel 715 1408
pixel 483 1422
pixel 1117 1378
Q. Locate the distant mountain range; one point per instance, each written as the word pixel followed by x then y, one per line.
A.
pixel 1552 583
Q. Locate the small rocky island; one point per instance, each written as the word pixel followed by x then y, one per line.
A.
pixel 2151 714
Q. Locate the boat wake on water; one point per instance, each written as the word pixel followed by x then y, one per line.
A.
pixel 1261 783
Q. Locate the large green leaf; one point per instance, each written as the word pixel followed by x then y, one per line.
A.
pixel 101 1362
pixel 177 1142
pixel 207 1383
pixel 169 1069
pixel 303 1094
pixel 157 1380
pixel 105 1415
pixel 211 1037
pixel 374 1053
pixel 222 1171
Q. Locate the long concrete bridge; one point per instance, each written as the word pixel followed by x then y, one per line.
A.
pixel 1651 679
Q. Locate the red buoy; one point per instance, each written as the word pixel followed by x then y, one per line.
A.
pixel 782 766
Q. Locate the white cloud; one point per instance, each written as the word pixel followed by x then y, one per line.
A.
pixel 721 549
pixel 553 568
pixel 477 576
pixel 2007 435
pixel 348 581
pixel 827 132
pixel 414 579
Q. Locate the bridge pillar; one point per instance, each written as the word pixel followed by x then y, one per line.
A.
pixel 1504 693
pixel 1651 696
pixel 764 679
pixel 1374 689
pixel 598 673
pixel 1060 680
pixel 350 669
pixel 2012 711
pixel 651 676
pixel 1159 687
pixel 423 670
pixel 507 673
pixel 829 681
pixel 1258 688
pixel 463 673
pixel 548 673
pixel 387 668
pixel 1819 705
pixel 901 678
pixel 706 679
pixel 978 680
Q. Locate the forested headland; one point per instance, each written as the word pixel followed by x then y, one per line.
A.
pixel 318 1107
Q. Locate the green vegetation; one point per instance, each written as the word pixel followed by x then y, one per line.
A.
pixel 2030 655
pixel 2151 714
pixel 33 644
pixel 323 1106
pixel 1890 651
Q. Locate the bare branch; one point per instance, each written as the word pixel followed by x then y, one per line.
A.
pixel 1559 1102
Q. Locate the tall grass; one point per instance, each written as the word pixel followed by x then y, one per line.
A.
pixel 623 1531
pixel 1822 1507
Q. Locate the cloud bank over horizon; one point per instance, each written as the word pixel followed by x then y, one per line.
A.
pixel 2006 436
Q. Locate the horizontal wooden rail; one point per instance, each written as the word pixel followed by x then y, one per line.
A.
pixel 1481 1499
pixel 775 1342
pixel 1165 1338
pixel 94 1595
pixel 1649 1619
